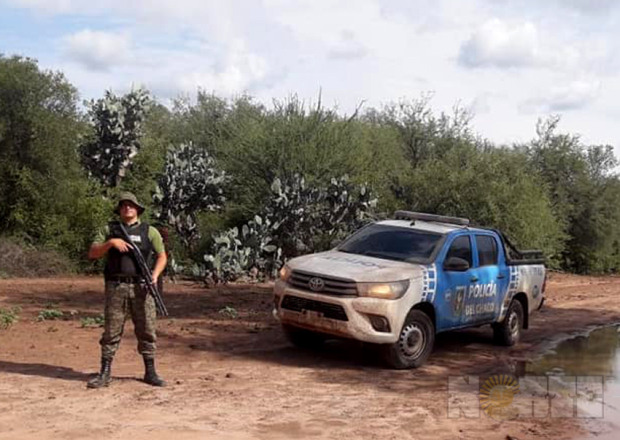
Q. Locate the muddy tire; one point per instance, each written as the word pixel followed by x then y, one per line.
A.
pixel 303 338
pixel 508 332
pixel 414 344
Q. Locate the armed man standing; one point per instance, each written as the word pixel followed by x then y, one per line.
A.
pixel 125 290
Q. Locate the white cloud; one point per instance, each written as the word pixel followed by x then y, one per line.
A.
pixel 375 51
pixel 573 96
pixel 348 47
pixel 239 71
pixel 498 44
pixel 98 50
pixel 480 105
pixel 175 46
pixel 591 6
pixel 344 31
pixel 170 72
pixel 46 6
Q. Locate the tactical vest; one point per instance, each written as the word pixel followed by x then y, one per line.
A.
pixel 122 264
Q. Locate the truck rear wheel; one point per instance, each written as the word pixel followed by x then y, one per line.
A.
pixel 508 332
pixel 414 344
pixel 303 338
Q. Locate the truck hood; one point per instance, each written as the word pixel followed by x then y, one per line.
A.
pixel 355 267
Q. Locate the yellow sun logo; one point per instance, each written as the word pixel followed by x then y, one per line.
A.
pixel 496 396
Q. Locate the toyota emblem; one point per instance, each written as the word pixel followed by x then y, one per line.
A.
pixel 316 284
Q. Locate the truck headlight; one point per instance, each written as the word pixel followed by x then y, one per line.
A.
pixel 285 273
pixel 392 290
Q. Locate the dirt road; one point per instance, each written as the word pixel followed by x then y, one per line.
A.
pixel 232 374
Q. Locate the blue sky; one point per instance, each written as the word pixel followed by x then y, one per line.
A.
pixel 510 62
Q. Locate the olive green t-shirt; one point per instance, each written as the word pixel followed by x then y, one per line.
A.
pixel 154 236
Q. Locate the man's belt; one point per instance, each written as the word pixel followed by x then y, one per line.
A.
pixel 124 279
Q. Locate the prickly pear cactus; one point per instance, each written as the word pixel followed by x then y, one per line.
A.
pixel 117 123
pixel 189 184
pixel 229 259
pixel 298 219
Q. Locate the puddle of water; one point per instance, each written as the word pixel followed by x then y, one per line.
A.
pixel 596 354
pixel 587 367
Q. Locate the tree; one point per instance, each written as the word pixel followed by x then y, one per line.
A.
pixel 44 196
pixel 583 190
pixel 423 135
pixel 494 188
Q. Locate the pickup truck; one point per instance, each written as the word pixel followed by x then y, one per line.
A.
pixel 397 283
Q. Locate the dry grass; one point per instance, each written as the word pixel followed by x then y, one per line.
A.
pixel 20 260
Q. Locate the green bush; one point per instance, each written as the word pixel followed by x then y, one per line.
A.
pixel 229 312
pixel 92 321
pixel 8 317
pixel 49 315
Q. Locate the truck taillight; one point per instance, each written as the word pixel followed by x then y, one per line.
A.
pixel 544 286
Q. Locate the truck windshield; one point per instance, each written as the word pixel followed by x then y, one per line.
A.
pixel 392 243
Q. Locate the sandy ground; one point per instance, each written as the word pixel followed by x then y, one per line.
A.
pixel 238 378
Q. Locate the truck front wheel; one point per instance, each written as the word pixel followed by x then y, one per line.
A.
pixel 414 344
pixel 508 332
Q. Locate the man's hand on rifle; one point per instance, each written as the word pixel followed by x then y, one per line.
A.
pixel 98 250
pixel 120 244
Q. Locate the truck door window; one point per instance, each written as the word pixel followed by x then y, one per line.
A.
pixel 487 250
pixel 460 248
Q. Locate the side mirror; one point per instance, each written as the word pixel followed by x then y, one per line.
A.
pixel 456 264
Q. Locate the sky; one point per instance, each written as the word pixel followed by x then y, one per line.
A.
pixel 510 62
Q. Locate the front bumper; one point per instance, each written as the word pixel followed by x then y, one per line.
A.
pixel 347 317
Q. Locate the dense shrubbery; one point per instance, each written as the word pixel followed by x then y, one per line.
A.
pixel 250 186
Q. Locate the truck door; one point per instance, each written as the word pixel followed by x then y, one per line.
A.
pixel 453 283
pixel 487 295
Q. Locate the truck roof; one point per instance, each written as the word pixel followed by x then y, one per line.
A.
pixel 436 227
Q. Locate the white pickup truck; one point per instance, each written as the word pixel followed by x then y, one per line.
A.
pixel 399 282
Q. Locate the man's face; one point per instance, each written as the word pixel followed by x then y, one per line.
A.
pixel 129 212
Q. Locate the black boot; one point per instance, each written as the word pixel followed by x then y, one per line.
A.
pixel 103 378
pixel 150 375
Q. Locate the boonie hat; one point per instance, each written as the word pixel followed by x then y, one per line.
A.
pixel 128 197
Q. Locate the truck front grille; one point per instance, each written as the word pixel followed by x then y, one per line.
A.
pixel 332 311
pixel 329 285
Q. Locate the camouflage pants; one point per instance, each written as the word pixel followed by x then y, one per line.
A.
pixel 122 300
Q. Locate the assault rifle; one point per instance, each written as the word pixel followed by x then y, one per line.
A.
pixel 145 272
